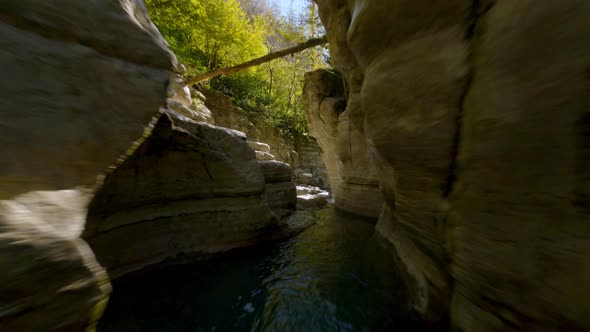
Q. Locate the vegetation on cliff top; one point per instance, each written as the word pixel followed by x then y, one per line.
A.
pixel 211 34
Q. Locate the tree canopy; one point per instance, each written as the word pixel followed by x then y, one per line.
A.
pixel 212 34
pixel 209 33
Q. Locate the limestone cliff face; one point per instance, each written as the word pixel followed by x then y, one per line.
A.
pixel 301 152
pixel 351 173
pixel 188 191
pixel 79 76
pixel 475 115
pixel 81 79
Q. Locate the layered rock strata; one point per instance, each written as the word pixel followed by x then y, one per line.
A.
pixel 352 176
pixel 475 114
pixel 190 189
pixel 279 191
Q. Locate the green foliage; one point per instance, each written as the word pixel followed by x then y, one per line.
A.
pixel 209 34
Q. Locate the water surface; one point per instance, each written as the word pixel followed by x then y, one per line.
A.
pixel 333 277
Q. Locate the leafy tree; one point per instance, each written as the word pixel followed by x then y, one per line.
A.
pixel 211 34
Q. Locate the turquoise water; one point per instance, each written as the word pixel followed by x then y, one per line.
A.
pixel 333 277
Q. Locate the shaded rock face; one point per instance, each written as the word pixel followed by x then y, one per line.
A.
pixel 352 175
pixel 279 191
pixel 50 278
pixel 481 149
pixel 190 189
pixel 81 80
pixel 73 84
pixel 309 160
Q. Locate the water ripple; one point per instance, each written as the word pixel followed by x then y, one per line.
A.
pixel 333 277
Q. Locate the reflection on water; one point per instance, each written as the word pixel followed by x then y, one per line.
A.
pixel 333 277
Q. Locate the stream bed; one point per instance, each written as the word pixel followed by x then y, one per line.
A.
pixel 333 277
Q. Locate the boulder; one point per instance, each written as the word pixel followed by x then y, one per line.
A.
pixel 311 202
pixel 480 148
pixel 189 190
pixel 199 107
pixel 180 101
pixel 280 195
pixel 259 146
pixel 312 198
pixel 79 76
pixel 304 178
pixel 304 190
pixel 279 192
pixel 275 171
pixel 81 81
pixel 260 155
pixel 50 278
pixel 311 190
pixel 188 111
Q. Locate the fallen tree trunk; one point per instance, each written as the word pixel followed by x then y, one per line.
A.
pixel 258 61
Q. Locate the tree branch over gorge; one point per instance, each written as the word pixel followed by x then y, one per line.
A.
pixel 258 61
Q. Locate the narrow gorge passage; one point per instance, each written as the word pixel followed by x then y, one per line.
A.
pixel 133 200
pixel 333 277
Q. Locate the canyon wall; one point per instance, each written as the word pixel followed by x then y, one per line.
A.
pixel 110 165
pixel 81 79
pixel 189 190
pixel 474 115
pixel 352 176
pixel 301 152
